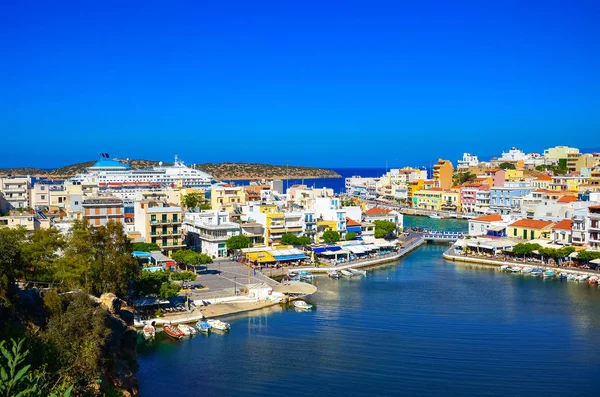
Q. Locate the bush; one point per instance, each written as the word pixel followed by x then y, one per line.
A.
pixel 183 276
pixel 168 290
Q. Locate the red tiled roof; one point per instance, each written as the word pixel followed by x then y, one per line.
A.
pixel 435 189
pixel 567 199
pixel 489 218
pixel 531 223
pixel 544 178
pixel 565 224
pixel 351 222
pixel 377 211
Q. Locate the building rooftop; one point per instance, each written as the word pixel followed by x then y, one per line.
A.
pixel 351 222
pixel 155 210
pixel 531 223
pixel 565 224
pixel 489 218
pixel 567 199
pixel 377 211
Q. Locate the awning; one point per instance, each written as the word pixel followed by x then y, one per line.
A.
pixel 289 257
pixel 353 229
pixel 319 250
pixel 260 257
pixel 595 261
pixel 496 228
pixel 141 254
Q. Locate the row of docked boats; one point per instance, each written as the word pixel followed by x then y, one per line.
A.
pixel 549 273
pixel 346 273
pixel 182 330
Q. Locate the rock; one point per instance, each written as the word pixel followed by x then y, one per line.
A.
pixel 111 302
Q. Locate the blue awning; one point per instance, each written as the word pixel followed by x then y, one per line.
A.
pixel 319 250
pixel 141 254
pixel 354 229
pixel 333 248
pixel 288 257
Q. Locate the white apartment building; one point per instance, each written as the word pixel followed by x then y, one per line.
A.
pixel 16 191
pixel 208 231
pixel 468 160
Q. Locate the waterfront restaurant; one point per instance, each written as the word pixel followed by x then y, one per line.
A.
pixel 489 246
pixel 280 255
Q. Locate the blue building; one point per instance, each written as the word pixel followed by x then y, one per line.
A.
pixel 508 198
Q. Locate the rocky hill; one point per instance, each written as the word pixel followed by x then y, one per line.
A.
pixel 220 171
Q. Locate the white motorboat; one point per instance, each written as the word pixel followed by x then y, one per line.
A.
pixel 149 331
pixel 357 272
pixel 593 280
pixel 218 325
pixel 571 277
pixel 302 305
pixel 333 274
pixel 346 273
pixel 435 216
pixel 526 269
pixel 187 330
pixel 505 268
pixel 581 278
pixel 516 269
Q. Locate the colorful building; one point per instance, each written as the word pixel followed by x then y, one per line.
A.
pixel 98 211
pixel 442 173
pixel 530 229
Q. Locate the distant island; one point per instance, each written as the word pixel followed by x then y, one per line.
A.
pixel 220 171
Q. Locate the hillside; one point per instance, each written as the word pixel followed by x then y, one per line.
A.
pixel 221 171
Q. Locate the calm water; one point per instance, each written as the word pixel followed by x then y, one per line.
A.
pixel 448 225
pixel 420 327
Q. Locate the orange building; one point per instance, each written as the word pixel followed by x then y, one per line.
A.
pixel 442 173
pixel 99 210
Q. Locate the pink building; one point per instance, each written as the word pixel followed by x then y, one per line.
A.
pixel 471 198
pixel 498 176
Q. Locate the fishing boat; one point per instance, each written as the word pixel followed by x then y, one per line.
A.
pixel 505 268
pixel 149 331
pixel 357 272
pixel 549 273
pixel 304 275
pixel 302 305
pixel 172 331
pixel 593 280
pixel 203 326
pixel 218 325
pixel 346 273
pixel 526 269
pixel 435 216
pixel 516 269
pixel 581 278
pixel 562 276
pixel 187 330
pixel 333 274
pixel 536 272
pixel 571 277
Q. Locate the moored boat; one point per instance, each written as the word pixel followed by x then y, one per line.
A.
pixel 549 273
pixel 583 277
pixel 505 268
pixel 302 305
pixel 333 274
pixel 172 331
pixel 562 276
pixel 203 326
pixel 187 330
pixel 536 272
pixel 149 331
pixel 357 272
pixel 346 273
pixel 218 325
pixel 516 269
pixel 593 280
pixel 435 216
pixel 304 275
pixel 526 269
pixel 571 277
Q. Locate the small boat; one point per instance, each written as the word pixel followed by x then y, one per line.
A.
pixel 358 272
pixel 149 331
pixel 203 326
pixel 435 216
pixel 346 273
pixel 187 330
pixel 218 325
pixel 505 268
pixel 549 273
pixel 302 305
pixel 305 275
pixel 516 269
pixel 536 272
pixel 581 278
pixel 172 331
pixel 333 274
pixel 571 277
pixel 593 280
pixel 526 269
pixel 562 276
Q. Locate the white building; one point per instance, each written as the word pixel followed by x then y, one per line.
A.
pixel 513 154
pixel 329 209
pixel 468 160
pixel 208 231
pixel 16 191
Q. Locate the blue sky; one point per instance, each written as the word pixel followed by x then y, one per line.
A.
pixel 313 83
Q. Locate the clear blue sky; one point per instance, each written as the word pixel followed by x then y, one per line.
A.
pixel 316 83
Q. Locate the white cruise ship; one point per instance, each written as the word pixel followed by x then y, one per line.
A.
pixel 110 173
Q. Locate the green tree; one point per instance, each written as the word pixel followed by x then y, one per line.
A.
pixel 40 251
pixel 205 206
pixel 524 249
pixel 149 283
pixel 304 240
pixel 289 239
pixel 463 177
pixel 238 242
pixel 192 200
pixel 168 290
pixel 183 276
pixel 507 166
pixel 145 247
pixel 12 264
pixel 350 236
pixel 384 228
pixel 73 268
pixel 331 236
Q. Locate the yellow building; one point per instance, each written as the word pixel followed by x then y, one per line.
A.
pixel 513 175
pixel 442 173
pixel 275 227
pixel 227 198
pixel 451 200
pixel 560 152
pixel 530 229
pixel 428 199
pixel 159 225
pixel 542 182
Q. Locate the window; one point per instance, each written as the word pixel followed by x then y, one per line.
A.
pixel 515 232
pixel 43 197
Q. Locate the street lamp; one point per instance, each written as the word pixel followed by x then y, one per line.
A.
pixel 235 285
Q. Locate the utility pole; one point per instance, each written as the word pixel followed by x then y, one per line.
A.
pixel 287 175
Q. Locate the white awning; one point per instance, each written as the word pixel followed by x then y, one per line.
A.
pixel 595 261
pixel 496 228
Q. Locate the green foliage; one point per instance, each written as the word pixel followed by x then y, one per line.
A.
pixel 238 242
pixel 149 283
pixel 205 206
pixel 40 251
pixel 145 247
pixel 289 239
pixel 158 313
pixel 303 240
pixel 331 236
pixel 192 200
pixel 183 276
pixel 384 228
pixel 560 169
pixel 190 257
pixel 18 380
pixel 586 256
pixel 463 177
pixel 556 253
pixel 350 236
pixel 168 290
pixel 54 303
pixel 507 166
pixel 524 249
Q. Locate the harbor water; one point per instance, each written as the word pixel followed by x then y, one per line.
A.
pixel 446 225
pixel 421 326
